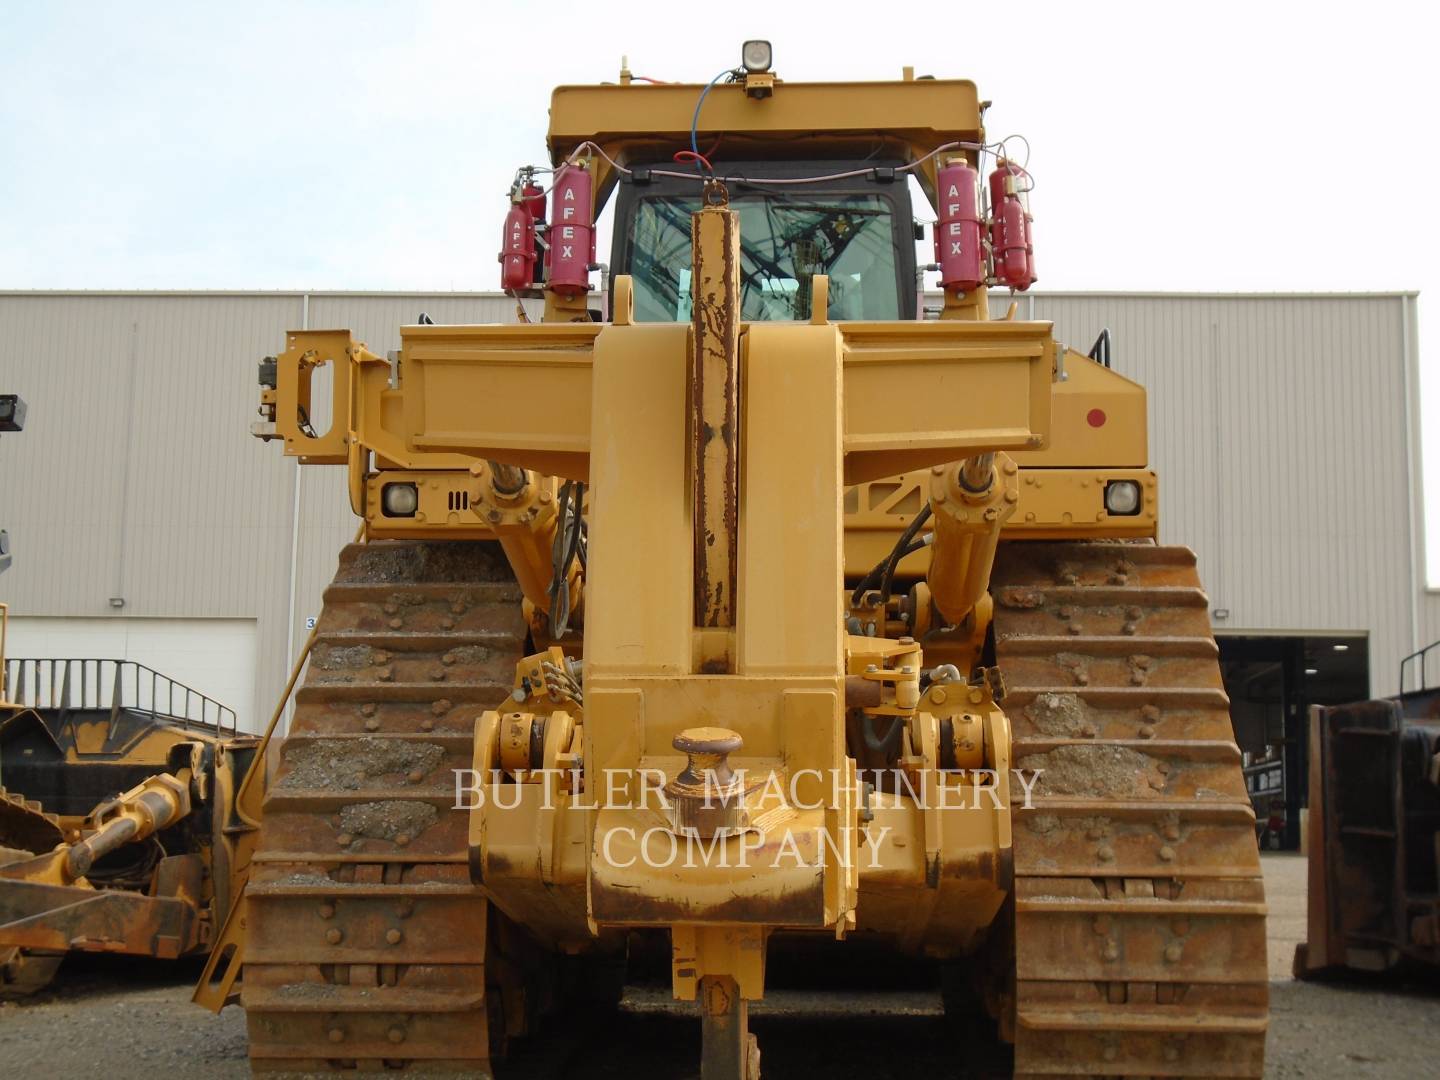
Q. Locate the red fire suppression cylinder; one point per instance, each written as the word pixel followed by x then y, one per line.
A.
pixel 958 232
pixel 517 253
pixel 572 232
pixel 533 196
pixel 1010 227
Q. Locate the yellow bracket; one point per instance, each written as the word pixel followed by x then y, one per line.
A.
pixel 222 967
pixel 306 351
pixel 1066 504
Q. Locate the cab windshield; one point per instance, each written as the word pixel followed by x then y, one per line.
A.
pixel 786 239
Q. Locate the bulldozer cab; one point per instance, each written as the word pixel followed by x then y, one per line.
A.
pixel 856 229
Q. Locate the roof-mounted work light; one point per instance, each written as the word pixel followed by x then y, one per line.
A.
pixel 755 56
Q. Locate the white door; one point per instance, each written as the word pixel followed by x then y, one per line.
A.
pixel 213 656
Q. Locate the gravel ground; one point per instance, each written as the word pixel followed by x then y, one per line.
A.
pixel 1350 1028
pixel 125 1020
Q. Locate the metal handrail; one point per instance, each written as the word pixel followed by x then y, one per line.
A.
pixel 1100 351
pixel 98 683
pixel 1419 656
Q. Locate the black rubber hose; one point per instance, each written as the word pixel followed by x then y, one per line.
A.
pixel 893 559
pixel 899 552
pixel 559 594
pixel 559 598
pixel 881 744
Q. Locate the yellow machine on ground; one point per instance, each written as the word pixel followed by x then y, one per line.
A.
pixel 117 829
pixel 761 610
pixel 117 791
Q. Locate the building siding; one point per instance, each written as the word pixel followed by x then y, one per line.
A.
pixel 1278 427
pixel 1277 423
pixel 134 478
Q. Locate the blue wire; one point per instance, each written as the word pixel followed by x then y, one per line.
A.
pixel 695 121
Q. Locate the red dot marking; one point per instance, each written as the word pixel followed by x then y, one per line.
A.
pixel 1095 418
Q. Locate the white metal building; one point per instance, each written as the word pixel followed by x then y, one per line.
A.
pixel 147 524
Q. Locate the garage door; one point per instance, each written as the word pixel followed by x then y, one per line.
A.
pixel 214 656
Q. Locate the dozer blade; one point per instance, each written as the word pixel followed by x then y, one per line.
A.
pixel 25 826
pixel 1139 905
pixel 59 917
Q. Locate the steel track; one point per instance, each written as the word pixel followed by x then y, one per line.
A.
pixel 367 943
pixel 1139 911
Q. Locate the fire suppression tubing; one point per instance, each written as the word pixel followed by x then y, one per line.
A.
pixel 571 236
pixel 958 249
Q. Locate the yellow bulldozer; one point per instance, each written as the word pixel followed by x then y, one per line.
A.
pixel 117 807
pixel 746 604
pixel 116 814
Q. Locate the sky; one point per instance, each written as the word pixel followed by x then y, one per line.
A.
pixel 326 145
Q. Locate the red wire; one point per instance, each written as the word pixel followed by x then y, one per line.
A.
pixel 682 156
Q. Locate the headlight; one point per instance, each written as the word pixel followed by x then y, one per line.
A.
pixel 399 500
pixel 755 56
pixel 1122 498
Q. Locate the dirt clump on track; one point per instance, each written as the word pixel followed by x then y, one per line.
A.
pixel 387 820
pixel 1063 716
pixel 381 562
pixel 346 765
pixel 1111 772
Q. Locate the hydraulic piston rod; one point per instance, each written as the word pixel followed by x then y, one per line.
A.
pixel 508 479
pixel 971 502
pixel 156 804
pixel 977 473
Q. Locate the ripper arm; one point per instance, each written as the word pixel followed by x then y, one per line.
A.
pixel 156 803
